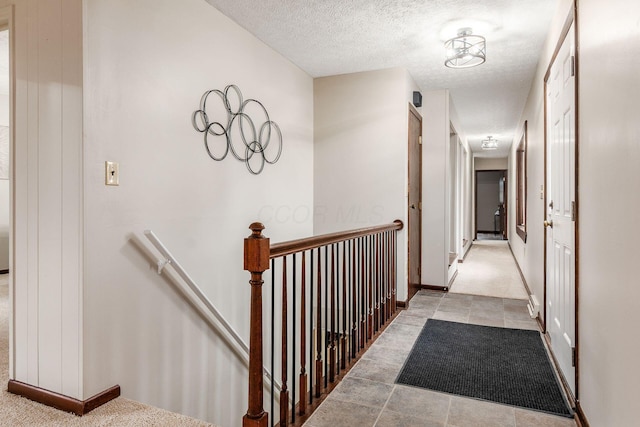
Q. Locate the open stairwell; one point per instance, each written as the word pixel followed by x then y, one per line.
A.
pixel 17 411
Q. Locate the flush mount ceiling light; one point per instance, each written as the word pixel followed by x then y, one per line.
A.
pixel 466 50
pixel 489 143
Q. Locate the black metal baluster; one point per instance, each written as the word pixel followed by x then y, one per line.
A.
pixel 332 341
pixel 319 328
pixel 354 309
pixel 284 393
pixel 369 288
pixel 303 336
pixel 273 337
pixel 311 328
pixel 343 341
pixel 293 344
pixel 363 294
pixel 326 316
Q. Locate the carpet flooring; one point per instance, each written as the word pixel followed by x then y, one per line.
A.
pixel 490 270
pixel 508 366
pixel 17 411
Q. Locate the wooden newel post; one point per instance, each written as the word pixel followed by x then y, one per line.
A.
pixel 256 261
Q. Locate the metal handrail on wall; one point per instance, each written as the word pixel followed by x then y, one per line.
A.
pixel 192 291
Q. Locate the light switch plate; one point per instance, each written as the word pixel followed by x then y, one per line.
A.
pixel 111 173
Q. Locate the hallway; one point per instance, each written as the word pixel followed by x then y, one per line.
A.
pixel 490 270
pixel 368 395
pixel 487 291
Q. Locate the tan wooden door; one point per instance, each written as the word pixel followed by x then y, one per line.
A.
pixel 415 199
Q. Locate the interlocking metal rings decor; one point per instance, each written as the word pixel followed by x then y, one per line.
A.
pixel 239 124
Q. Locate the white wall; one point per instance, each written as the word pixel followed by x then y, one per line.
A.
pixel 464 212
pixel 4 188
pixel 438 116
pixel 4 224
pixel 609 202
pixel 435 134
pixel 360 157
pixel 468 218
pixel 147 63
pixel 530 256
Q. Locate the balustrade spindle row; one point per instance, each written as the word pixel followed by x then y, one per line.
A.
pixel 343 292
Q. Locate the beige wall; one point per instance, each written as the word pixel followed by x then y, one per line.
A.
pixel 489 163
pixel 609 203
pixel 360 153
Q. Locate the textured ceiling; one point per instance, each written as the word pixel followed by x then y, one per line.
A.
pixel 329 37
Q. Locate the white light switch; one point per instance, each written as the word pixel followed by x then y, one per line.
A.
pixel 111 173
pixel 542 192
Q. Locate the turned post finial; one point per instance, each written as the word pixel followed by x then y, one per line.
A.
pixel 256 229
pixel 256 250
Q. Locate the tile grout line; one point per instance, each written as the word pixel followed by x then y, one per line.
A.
pixel 385 405
pixel 446 421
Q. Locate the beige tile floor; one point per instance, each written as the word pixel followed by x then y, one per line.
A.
pixel 368 395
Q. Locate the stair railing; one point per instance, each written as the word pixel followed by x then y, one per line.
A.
pixel 190 289
pixel 330 297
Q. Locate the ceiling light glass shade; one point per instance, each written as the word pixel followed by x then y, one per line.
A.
pixel 489 143
pixel 466 50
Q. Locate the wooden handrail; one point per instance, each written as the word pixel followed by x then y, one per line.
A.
pixel 299 245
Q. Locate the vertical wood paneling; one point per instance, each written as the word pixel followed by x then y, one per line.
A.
pixel 47 328
pixel 50 193
pixel 71 197
pixel 31 175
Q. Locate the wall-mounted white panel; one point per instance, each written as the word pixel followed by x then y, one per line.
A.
pixel 47 56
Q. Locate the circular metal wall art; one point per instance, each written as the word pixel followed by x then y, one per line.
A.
pixel 260 144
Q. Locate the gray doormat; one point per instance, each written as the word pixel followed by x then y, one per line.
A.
pixel 508 366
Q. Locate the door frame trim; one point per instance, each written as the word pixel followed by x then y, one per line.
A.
pixel 570 20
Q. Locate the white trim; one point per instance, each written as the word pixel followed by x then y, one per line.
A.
pixel 6 23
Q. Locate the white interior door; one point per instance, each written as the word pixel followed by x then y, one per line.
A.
pixel 560 224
